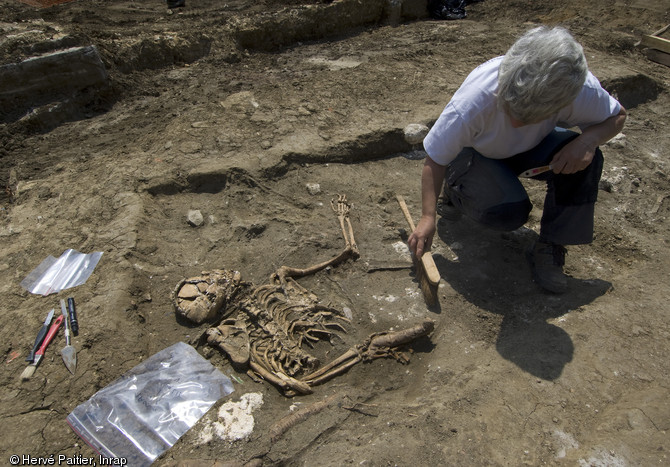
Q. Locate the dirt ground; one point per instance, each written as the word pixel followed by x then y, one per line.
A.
pixel 258 114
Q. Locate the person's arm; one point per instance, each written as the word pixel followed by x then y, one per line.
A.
pixel 432 177
pixel 578 153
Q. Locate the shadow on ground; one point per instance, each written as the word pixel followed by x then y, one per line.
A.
pixel 490 271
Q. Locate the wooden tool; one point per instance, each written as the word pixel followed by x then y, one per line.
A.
pixel 426 271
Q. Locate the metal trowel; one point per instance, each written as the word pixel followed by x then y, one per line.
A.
pixel 68 353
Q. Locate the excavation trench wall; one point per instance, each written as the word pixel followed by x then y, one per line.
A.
pixel 63 84
pixel 314 22
pixel 631 89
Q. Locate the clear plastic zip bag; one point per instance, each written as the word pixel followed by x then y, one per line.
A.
pixel 144 412
pixel 53 275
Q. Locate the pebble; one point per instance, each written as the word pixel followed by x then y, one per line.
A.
pixel 415 133
pixel 618 142
pixel 313 188
pixel 194 218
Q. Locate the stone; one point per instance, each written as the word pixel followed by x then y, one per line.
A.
pixel 618 142
pixel 194 218
pixel 415 133
pixel 313 188
pixel 56 74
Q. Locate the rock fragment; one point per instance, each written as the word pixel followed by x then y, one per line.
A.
pixel 415 133
pixel 313 188
pixel 194 218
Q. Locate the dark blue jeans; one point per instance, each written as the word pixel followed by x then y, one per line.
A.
pixel 489 191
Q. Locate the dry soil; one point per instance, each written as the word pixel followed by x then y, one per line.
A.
pixel 258 113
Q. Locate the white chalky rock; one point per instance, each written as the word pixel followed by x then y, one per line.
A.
pixel 415 133
pixel 313 188
pixel 235 420
pixel 194 218
pixel 618 142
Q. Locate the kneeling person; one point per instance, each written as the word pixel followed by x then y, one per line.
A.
pixel 509 116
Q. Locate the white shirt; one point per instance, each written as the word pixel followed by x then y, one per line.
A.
pixel 472 118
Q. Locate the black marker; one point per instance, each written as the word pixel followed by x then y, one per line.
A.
pixel 74 325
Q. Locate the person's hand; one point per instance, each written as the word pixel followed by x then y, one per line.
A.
pixel 422 238
pixel 573 157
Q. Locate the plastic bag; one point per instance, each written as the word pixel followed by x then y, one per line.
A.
pixel 448 9
pixel 53 275
pixel 143 413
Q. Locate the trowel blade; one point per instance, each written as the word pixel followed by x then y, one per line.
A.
pixel 69 355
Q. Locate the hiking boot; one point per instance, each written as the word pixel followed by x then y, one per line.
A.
pixel 546 262
pixel 447 210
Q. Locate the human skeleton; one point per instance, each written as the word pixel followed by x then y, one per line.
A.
pixel 274 321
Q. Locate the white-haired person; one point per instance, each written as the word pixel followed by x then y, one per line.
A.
pixel 510 115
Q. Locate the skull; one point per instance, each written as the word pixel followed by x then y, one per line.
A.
pixel 204 298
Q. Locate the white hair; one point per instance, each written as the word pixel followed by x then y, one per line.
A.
pixel 540 74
